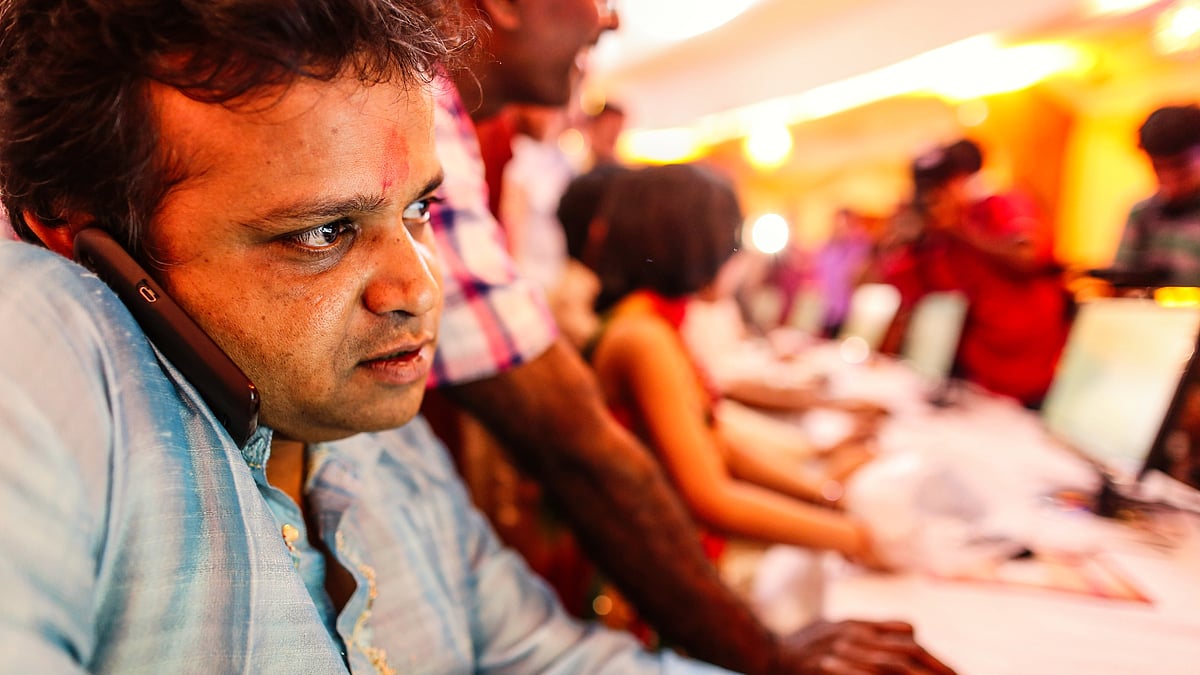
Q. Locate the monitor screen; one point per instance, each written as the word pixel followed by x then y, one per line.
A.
pixel 1118 375
pixel 933 333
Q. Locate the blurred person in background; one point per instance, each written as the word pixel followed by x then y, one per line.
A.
pixel 501 360
pixel 531 185
pixel 602 130
pixel 999 253
pixel 573 299
pixel 840 264
pixel 1162 234
pixel 670 229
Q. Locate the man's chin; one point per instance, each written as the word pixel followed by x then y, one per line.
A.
pixel 348 422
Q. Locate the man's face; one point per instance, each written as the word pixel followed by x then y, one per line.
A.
pixel 299 241
pixel 1178 176
pixel 540 57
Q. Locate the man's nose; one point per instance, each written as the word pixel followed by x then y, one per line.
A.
pixel 404 278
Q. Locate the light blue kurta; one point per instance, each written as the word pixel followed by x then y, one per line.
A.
pixel 136 537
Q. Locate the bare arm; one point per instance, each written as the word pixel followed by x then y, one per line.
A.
pixel 757 392
pixel 645 357
pixel 795 398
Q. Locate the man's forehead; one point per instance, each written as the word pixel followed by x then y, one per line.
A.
pixel 313 149
pixel 199 133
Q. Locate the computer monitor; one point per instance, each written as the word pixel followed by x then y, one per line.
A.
pixel 931 341
pixel 1119 379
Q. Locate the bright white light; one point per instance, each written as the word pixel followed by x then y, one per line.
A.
pixel 1177 29
pixel 769 233
pixel 768 145
pixel 1002 69
pixel 679 19
pixel 1101 7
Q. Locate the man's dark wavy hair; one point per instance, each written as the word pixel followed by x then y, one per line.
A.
pixel 78 134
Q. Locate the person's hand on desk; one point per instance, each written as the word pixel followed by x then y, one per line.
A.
pixel 860 407
pixel 865 552
pixel 857 647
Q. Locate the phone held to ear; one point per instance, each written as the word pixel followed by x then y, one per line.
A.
pixel 228 392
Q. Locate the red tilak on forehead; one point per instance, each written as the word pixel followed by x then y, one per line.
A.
pixel 395 153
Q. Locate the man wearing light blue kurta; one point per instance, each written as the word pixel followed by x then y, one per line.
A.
pixel 274 167
pixel 140 538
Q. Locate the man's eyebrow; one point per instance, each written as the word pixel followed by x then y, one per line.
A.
pixel 325 209
pixel 316 210
pixel 433 184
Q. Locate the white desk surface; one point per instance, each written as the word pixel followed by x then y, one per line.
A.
pixel 983 628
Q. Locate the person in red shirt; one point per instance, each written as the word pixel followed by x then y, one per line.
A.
pixel 997 251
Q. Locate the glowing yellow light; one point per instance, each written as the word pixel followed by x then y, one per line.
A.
pixel 1177 296
pixel 602 605
pixel 769 233
pixel 768 145
pixel 963 71
pixel 659 146
pixel 572 143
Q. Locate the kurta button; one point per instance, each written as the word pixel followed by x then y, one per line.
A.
pixel 290 535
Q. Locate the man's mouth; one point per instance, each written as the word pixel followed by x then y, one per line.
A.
pixel 398 355
pixel 402 366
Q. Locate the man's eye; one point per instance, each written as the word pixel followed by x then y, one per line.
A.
pixel 323 236
pixel 416 214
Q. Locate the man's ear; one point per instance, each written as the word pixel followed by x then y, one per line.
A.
pixel 502 14
pixel 59 237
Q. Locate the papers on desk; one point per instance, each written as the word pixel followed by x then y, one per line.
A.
pixel 1091 574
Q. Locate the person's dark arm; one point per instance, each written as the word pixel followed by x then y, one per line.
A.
pixel 551 417
pixel 550 414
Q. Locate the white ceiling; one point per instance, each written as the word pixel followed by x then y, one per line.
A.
pixel 783 47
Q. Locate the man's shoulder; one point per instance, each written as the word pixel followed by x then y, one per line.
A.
pixel 22 263
pixel 39 286
pixel 73 358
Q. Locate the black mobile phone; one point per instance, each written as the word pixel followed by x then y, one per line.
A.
pixel 229 393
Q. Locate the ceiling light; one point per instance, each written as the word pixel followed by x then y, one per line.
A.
pixel 768 146
pixel 769 233
pixel 659 146
pixel 1177 29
